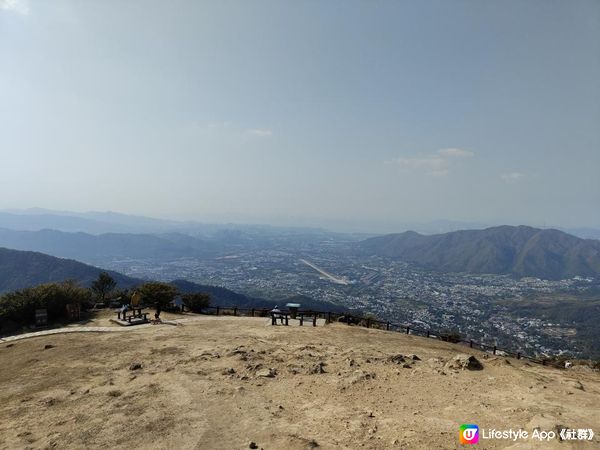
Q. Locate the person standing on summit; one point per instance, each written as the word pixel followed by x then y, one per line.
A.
pixel 136 299
pixel 157 313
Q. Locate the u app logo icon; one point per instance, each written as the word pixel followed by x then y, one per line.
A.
pixel 469 434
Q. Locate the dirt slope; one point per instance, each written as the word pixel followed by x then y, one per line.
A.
pixel 221 383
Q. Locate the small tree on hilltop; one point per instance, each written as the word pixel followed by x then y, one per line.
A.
pixel 103 285
pixel 196 301
pixel 157 293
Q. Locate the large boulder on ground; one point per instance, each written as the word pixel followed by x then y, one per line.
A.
pixel 464 362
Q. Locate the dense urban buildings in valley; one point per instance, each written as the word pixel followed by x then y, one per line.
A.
pixel 521 288
pixel 478 306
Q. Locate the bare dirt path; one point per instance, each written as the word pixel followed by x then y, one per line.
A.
pixel 223 382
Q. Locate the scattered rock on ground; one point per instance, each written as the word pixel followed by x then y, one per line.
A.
pixel 317 368
pixel 499 362
pixel 462 362
pixel 135 366
pixel 397 359
pixel 50 401
pixel 360 375
pixel 48 346
pixel 266 373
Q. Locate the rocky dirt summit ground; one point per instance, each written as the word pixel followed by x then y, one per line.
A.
pixel 236 383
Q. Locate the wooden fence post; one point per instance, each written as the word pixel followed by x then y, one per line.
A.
pixel 367 321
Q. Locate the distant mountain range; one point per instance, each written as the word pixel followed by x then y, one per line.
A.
pixel 36 219
pixel 21 269
pixel 96 222
pixel 96 249
pixel 519 251
pixel 97 238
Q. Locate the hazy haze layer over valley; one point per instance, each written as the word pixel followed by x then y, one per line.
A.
pixel 429 281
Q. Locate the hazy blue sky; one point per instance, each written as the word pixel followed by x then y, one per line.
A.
pixel 312 112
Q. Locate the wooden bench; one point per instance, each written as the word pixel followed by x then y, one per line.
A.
pixel 136 313
pixel 138 316
pixel 309 314
pixel 281 316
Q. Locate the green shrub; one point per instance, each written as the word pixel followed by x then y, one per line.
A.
pixel 157 293
pixel 450 336
pixel 196 301
pixel 367 318
pixel 20 306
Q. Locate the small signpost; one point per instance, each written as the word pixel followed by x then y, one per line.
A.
pixel 73 311
pixel 179 304
pixel 293 307
pixel 41 317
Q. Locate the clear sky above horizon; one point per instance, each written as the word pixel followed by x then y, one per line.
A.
pixel 355 113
